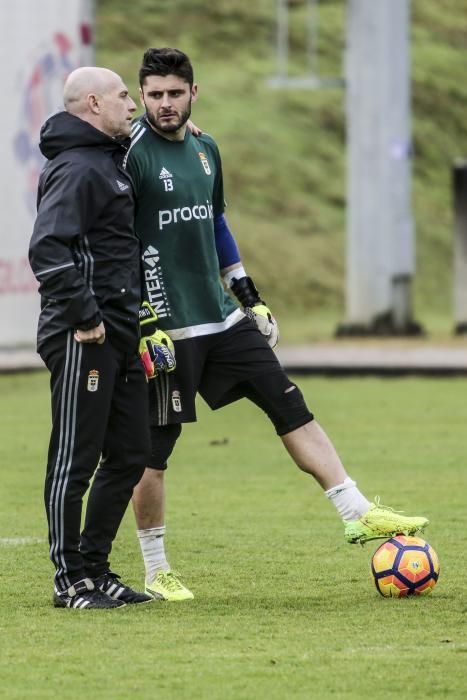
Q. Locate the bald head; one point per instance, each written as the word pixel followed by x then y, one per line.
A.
pixel 100 97
pixel 86 81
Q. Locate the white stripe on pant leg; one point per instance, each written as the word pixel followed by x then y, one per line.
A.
pixel 66 445
pixel 74 350
pixel 52 496
pixel 158 399
pixel 68 402
pixel 166 399
pixel 162 391
pixel 72 422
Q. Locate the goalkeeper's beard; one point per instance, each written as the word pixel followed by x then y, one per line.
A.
pixel 169 128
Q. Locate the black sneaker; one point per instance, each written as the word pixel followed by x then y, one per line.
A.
pixel 85 596
pixel 109 584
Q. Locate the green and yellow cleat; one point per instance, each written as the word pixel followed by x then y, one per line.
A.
pixel 381 522
pixel 167 586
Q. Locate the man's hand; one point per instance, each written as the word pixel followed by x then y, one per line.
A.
pixel 93 335
pixel 195 130
pixel 265 321
pixel 156 349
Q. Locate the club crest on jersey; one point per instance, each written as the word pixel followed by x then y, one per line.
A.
pixel 93 380
pixel 205 162
pixel 176 401
pixel 167 179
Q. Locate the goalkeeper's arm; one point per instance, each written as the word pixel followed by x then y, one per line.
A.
pixel 236 279
pixel 156 348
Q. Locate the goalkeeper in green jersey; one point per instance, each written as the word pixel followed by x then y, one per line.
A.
pixel 198 339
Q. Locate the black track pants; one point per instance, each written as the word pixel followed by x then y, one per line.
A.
pixel 99 406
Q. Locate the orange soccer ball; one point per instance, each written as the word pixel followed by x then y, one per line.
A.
pixel 404 566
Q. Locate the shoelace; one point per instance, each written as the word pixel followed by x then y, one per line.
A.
pixel 378 504
pixel 110 575
pixel 109 578
pixel 170 580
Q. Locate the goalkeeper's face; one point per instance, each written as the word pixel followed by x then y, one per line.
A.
pixel 167 100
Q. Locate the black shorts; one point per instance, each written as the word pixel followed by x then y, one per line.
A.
pixel 222 368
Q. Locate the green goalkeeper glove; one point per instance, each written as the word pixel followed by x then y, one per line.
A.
pixel 156 348
pixel 255 308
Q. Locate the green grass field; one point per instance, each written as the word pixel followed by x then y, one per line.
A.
pixel 284 608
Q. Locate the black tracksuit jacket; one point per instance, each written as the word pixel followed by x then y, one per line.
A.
pixel 83 249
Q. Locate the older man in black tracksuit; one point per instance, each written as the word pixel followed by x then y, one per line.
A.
pixel 86 258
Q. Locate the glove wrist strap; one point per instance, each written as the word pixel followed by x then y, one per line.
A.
pixel 147 319
pixel 245 291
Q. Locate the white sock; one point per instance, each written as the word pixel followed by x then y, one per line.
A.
pixel 152 548
pixel 349 502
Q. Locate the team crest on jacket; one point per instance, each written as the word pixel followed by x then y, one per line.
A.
pixel 93 380
pixel 205 162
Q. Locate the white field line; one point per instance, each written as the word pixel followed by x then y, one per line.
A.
pixel 20 541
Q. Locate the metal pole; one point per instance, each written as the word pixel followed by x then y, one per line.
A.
pixel 459 182
pixel 380 248
pixel 282 38
pixel 312 37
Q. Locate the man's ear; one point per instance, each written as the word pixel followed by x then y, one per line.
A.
pixel 194 92
pixel 93 103
pixel 141 98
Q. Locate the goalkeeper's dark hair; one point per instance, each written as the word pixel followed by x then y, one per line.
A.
pixel 164 62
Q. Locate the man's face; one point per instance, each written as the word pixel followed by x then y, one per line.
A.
pixel 117 109
pixel 167 100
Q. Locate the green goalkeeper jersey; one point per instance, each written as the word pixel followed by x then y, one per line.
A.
pixel 179 191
